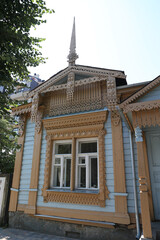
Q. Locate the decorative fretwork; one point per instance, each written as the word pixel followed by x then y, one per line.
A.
pixel 21 125
pixel 111 93
pixel 142 106
pixel 138 134
pixel 73 127
pixel 86 97
pixel 95 72
pixel 146 118
pixel 70 86
pixel 115 117
pixel 141 92
pixel 39 117
pixel 22 109
pixel 34 110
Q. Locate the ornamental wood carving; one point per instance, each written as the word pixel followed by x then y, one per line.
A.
pixel 73 127
pixel 143 91
pixel 34 110
pixel 142 106
pixel 21 125
pixel 111 93
pixel 115 117
pixel 22 109
pixel 76 69
pixel 146 118
pixel 86 97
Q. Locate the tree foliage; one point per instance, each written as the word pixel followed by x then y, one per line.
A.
pixel 18 51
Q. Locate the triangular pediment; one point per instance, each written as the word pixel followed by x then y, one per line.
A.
pixel 150 92
pixel 82 75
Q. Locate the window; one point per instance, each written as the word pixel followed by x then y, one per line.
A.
pixel 87 164
pixel 61 173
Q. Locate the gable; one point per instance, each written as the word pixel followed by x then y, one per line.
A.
pixel 154 94
pixel 149 92
pixel 81 73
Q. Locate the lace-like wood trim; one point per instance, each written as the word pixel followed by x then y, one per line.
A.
pixel 73 127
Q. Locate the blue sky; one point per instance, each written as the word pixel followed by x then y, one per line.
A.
pixel 114 34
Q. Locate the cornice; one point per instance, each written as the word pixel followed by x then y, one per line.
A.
pixel 76 120
pixel 22 109
pixel 141 92
pixel 142 106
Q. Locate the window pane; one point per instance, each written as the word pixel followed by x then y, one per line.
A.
pixel 82 177
pixel 57 176
pixel 66 172
pixel 63 148
pixel 90 147
pixel 94 180
pixel 57 161
pixel 81 160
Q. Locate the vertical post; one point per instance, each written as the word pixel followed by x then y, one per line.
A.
pixel 118 163
pixel 145 212
pixel 73 164
pixel 32 200
pixel 17 166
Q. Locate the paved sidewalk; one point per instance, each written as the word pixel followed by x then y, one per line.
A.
pixel 16 234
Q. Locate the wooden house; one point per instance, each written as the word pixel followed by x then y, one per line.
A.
pixel 89 152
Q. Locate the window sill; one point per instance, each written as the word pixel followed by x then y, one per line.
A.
pixel 87 191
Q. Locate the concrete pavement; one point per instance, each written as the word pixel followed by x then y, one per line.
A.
pixel 17 234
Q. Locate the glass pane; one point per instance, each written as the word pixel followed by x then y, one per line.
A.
pixel 63 148
pixel 57 176
pixel 81 160
pixel 94 180
pixel 57 161
pixel 88 147
pixel 66 172
pixel 82 177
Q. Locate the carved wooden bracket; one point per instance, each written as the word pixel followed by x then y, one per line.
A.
pixel 115 117
pixel 22 120
pixel 39 117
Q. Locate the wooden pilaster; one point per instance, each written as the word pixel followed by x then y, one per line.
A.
pixel 145 211
pixel 73 164
pixel 119 166
pixel 31 208
pixel 32 200
pixel 17 166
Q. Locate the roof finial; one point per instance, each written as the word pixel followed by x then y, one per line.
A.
pixel 72 53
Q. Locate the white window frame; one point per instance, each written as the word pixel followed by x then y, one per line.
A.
pixel 87 156
pixel 62 157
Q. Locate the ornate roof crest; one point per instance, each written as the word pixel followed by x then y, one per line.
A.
pixel 72 53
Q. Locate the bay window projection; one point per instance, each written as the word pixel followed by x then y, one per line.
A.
pixel 61 173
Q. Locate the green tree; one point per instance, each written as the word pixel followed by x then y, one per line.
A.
pixel 18 51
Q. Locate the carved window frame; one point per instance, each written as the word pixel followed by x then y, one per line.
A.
pixel 89 125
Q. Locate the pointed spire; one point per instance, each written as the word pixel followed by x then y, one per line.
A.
pixel 72 53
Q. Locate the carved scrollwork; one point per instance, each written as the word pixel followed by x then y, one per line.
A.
pixel 111 93
pixel 22 120
pixel 85 125
pixel 39 117
pixel 70 86
pixel 115 117
pixel 34 108
pixel 140 106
